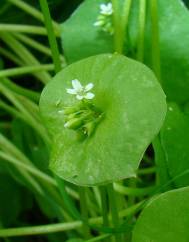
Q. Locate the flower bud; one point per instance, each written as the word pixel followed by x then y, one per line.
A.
pixel 74 123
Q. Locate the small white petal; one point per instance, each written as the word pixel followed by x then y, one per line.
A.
pixel 77 85
pixel 103 6
pixel 89 87
pixel 109 6
pixel 71 91
pixel 106 9
pixel 79 97
pixel 89 95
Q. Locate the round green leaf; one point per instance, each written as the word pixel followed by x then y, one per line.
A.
pixel 88 39
pixel 165 218
pixel 174 139
pixel 134 108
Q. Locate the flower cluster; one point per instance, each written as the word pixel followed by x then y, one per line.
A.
pixel 81 92
pixel 83 116
pixel 104 19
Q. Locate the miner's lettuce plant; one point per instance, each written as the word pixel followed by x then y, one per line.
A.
pixel 94 125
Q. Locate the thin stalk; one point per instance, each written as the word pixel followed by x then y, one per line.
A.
pixel 51 35
pixel 136 192
pixel 59 227
pixel 84 212
pixel 141 29
pixel 91 204
pixel 11 149
pixel 21 90
pixel 37 46
pixel 25 70
pixel 114 211
pixel 155 39
pixel 146 171
pixel 103 237
pixel 31 169
pixel 25 55
pixel 97 195
pixel 12 111
pixel 32 11
pixel 120 23
pixel 33 43
pixel 104 207
pixel 66 199
pixel 21 28
pixel 124 23
pixel 11 56
pixel 20 106
pixel 117 25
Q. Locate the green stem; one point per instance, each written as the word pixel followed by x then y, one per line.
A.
pixel 155 39
pixel 21 90
pixel 84 212
pixel 66 199
pixel 31 169
pixel 51 35
pixel 29 29
pixel 53 228
pixel 29 116
pixel 32 11
pixel 141 20
pixel 104 207
pixel 11 56
pixel 33 43
pixel 117 25
pixel 25 70
pixel 114 211
pixel 103 237
pixel 25 55
pixel 37 46
pixel 120 23
pixel 137 192
pixel 146 171
pixel 124 22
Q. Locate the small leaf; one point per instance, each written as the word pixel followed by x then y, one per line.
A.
pixel 133 106
pixel 164 219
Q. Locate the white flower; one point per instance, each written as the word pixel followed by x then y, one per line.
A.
pixel 81 92
pixel 104 19
pixel 106 9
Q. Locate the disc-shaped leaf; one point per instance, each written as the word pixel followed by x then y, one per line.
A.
pixel 175 140
pixel 165 218
pixel 133 106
